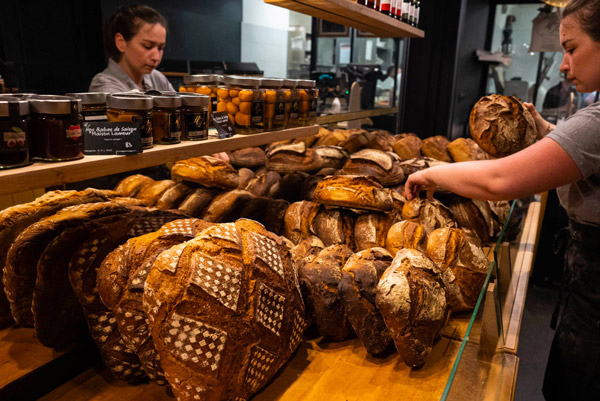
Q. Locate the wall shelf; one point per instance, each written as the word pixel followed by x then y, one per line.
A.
pixel 355 115
pixel 351 14
pixel 42 175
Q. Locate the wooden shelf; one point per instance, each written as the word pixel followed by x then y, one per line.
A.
pixel 355 115
pixel 40 175
pixel 346 12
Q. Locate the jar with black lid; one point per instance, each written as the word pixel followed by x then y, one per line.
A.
pixel 194 116
pixel 14 128
pixel 93 105
pixel 203 84
pixel 130 107
pixel 166 119
pixel 55 132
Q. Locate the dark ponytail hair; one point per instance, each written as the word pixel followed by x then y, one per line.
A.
pixel 587 13
pixel 127 20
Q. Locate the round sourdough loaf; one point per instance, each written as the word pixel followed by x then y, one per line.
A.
pixel 360 276
pixel 412 300
pixel 406 234
pixel 225 311
pixel 501 125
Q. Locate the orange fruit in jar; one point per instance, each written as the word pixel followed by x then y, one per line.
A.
pixel 246 107
pixel 203 90
pixel 246 95
pixel 232 108
pixel 270 96
pixel 222 93
pixel 182 89
pixel 242 119
pixel 269 112
pixel 303 106
pixel 303 95
pixel 221 106
pixel 233 92
pixel 287 94
pixel 236 100
pixel 231 118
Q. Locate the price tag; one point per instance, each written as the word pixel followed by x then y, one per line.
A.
pixel 225 128
pixel 108 138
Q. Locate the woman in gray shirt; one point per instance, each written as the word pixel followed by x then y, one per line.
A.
pixel 566 157
pixel 134 37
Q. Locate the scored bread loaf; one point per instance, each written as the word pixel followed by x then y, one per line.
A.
pixel 319 280
pixel 382 140
pixel 293 157
pixel 334 226
pixel 23 256
pixel 330 138
pixel 501 125
pixel 288 188
pixel 463 265
pixel 356 140
pixel 354 192
pixel 172 197
pixel 245 176
pixel 16 218
pixel 224 310
pixel 298 220
pixel 227 206
pixel 122 361
pixel 260 185
pixel 130 186
pixel 406 234
pixel 196 203
pixel 306 251
pixel 470 214
pixel 383 166
pixel 436 147
pixel 370 230
pixel 411 298
pixel 151 193
pixel 431 214
pixel 408 146
pixel 208 171
pixel 332 156
pixel 360 276
pixel 248 157
pixel 120 281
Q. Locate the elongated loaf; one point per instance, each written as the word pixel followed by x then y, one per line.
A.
pixel 207 171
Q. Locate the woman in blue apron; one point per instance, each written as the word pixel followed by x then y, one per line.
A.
pixel 566 158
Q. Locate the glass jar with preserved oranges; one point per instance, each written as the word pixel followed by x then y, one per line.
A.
pixel 292 103
pixel 204 84
pixel 241 98
pixel 274 104
pixel 309 94
pixel 127 107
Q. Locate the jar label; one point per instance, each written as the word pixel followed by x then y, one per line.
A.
pixel 195 123
pixel 279 111
pixel 257 113
pixel 74 132
pixel 312 112
pixel 14 136
pixel 294 110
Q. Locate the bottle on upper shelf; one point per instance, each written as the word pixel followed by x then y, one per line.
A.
pixel 374 4
pixel 385 7
pixel 405 10
pixel 417 13
pixel 395 10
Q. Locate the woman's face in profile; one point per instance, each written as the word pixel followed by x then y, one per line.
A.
pixel 145 49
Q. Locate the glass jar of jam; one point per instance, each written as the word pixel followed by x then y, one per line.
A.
pixel 166 119
pixel 128 107
pixel 14 128
pixel 242 100
pixel 292 103
pixel 194 116
pixel 274 104
pixel 203 84
pixel 55 128
pixel 309 95
pixel 93 105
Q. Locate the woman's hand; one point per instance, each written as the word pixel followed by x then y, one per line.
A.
pixel 416 182
pixel 543 127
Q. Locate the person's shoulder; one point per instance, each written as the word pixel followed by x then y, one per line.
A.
pixel 103 82
pixel 160 81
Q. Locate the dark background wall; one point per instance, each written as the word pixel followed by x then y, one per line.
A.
pixel 57 46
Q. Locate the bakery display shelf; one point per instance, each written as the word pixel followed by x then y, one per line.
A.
pixel 352 14
pixel 50 174
pixel 355 115
pixel 28 369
